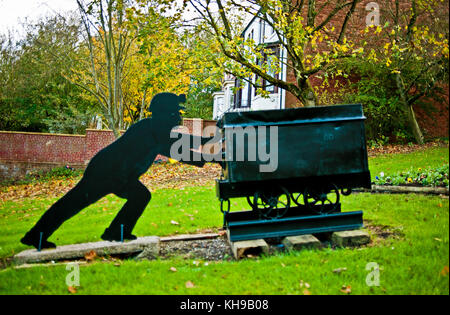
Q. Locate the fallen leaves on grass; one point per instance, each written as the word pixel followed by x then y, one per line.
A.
pixel 178 176
pixel 444 271
pixel 304 284
pixel 347 289
pixel 54 188
pixel 90 256
pixel 402 148
pixel 189 285
pixel 339 270
pixel 159 176
pixel 72 290
pixel 164 175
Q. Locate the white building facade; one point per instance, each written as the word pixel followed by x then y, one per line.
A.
pixel 245 98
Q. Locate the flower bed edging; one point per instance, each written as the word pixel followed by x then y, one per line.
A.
pixel 408 189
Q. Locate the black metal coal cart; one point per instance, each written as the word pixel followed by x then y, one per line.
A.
pixel 293 166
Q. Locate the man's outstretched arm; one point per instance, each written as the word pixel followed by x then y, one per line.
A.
pixel 195 141
pixel 187 156
pixel 198 158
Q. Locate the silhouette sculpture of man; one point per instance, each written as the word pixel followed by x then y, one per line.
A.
pixel 116 169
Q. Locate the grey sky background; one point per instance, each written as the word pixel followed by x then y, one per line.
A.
pixel 12 12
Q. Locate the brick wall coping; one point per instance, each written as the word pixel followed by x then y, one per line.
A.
pixel 209 120
pixel 103 130
pixel 40 133
pixel 43 163
pixel 71 135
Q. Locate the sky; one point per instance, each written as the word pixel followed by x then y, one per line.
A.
pixel 14 11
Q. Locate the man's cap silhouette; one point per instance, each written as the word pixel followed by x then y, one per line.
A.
pixel 166 103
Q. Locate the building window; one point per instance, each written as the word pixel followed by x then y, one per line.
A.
pixel 273 50
pixel 238 98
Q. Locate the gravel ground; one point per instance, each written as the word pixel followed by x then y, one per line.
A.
pixel 218 249
pixel 210 249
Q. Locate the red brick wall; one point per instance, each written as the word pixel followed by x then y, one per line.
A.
pixel 434 122
pixel 95 141
pixel 23 151
pixel 40 147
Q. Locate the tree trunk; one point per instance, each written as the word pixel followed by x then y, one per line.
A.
pixel 415 128
pixel 141 114
pixel 112 124
pixel 414 125
pixel 307 95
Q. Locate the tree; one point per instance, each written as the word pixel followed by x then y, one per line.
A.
pixel 173 59
pixel 134 53
pixel 165 63
pixel 33 91
pixel 303 29
pixel 8 57
pixel 108 41
pixel 206 71
pixel 412 48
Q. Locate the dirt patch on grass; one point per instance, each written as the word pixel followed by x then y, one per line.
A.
pixel 5 262
pixel 383 232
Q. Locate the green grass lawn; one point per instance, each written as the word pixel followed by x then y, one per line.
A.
pixel 392 163
pixel 193 208
pixel 415 261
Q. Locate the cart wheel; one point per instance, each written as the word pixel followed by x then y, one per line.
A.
pixel 250 202
pixel 272 204
pixel 296 198
pixel 228 205
pixel 346 192
pixel 322 200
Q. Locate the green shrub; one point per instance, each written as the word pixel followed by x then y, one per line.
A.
pixel 55 173
pixel 386 119
pixel 375 89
